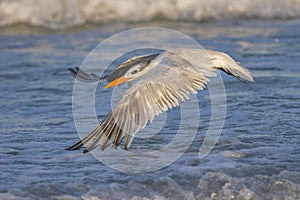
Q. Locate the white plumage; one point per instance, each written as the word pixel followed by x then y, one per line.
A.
pixel 162 81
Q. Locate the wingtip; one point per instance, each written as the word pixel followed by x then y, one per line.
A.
pixel 73 72
pixel 69 149
pixel 71 69
pixel 74 149
pixel 76 146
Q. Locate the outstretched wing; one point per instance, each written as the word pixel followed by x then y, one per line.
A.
pixel 162 88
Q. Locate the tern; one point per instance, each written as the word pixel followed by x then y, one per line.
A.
pixel 159 82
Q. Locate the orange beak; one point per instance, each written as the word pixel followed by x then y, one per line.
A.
pixel 118 81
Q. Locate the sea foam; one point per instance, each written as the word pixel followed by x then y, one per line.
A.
pixel 61 14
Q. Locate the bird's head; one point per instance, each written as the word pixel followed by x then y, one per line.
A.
pixel 132 73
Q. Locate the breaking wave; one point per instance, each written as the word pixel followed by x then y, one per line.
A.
pixel 61 14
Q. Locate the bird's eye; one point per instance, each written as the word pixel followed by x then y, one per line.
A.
pixel 141 67
pixel 134 71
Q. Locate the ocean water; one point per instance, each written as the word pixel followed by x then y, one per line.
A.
pixel 256 157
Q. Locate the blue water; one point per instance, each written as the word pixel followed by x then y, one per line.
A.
pixel 256 157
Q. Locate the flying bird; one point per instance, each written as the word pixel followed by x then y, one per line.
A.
pixel 161 80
